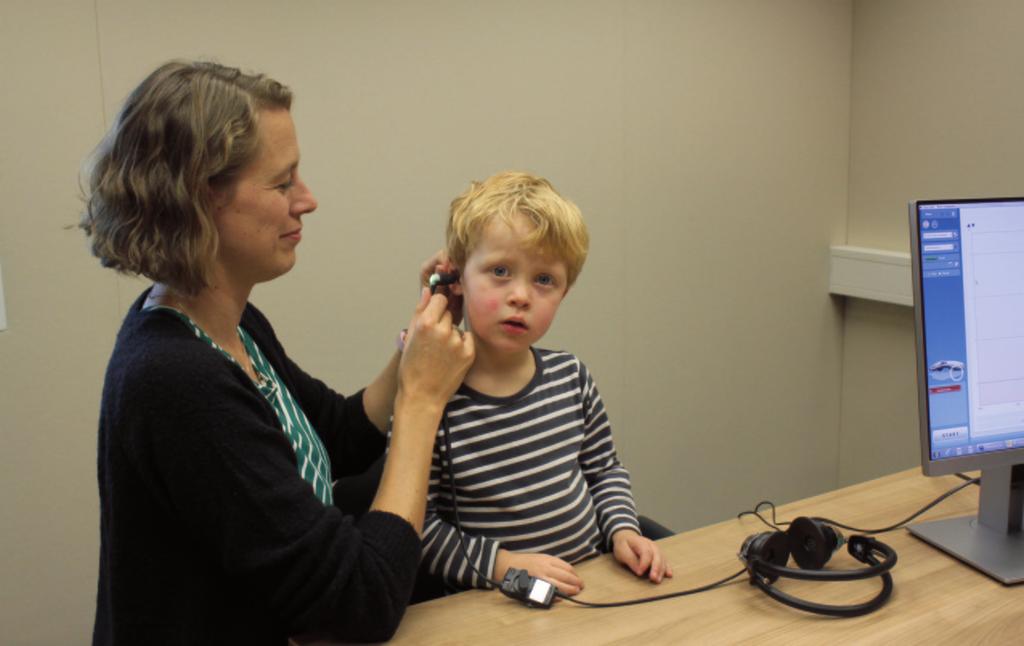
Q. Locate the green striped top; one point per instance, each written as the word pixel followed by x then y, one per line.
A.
pixel 311 456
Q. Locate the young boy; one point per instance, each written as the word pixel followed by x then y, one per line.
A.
pixel 538 481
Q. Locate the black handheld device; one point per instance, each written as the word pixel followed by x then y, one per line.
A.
pixel 441 279
pixel 534 592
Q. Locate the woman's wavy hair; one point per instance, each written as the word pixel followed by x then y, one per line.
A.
pixel 186 130
pixel 558 227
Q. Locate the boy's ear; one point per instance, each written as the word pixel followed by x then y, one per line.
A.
pixel 455 289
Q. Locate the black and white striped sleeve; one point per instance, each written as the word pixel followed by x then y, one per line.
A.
pixel 607 478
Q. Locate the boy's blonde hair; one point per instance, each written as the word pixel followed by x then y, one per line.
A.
pixel 558 225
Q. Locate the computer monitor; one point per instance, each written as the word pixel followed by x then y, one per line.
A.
pixel 968 275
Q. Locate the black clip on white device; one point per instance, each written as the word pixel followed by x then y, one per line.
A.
pixel 534 592
pixel 440 279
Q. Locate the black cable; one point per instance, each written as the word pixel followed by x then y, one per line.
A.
pixel 756 511
pixel 455 503
pixel 436 281
pixel 446 433
pixel 775 524
pixel 669 595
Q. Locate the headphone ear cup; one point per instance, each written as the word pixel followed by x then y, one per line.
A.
pixel 767 547
pixel 812 542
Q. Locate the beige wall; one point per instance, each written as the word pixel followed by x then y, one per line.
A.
pixel 734 185
pixel 61 315
pixel 706 142
pixel 937 112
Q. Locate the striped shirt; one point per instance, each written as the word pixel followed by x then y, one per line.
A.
pixel 534 472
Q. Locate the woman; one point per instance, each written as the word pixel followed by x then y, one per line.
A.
pixel 217 453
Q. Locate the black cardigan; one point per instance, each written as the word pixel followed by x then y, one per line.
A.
pixel 207 532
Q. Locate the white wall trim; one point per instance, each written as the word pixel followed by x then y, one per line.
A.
pixel 874 274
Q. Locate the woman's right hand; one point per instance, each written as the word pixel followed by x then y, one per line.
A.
pixel 437 354
pixel 440 262
pixel 436 358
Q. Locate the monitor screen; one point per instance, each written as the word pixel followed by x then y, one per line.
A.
pixel 967 261
pixel 970 259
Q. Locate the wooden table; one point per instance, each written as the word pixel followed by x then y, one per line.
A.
pixel 936 599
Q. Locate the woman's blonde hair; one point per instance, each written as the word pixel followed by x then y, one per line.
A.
pixel 186 130
pixel 558 227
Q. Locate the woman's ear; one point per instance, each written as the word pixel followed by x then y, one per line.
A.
pixel 221 195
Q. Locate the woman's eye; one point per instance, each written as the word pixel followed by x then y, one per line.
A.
pixel 284 187
pixel 500 271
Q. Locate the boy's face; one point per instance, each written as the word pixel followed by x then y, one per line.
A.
pixel 511 293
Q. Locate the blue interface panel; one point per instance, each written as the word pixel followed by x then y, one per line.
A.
pixel 972 290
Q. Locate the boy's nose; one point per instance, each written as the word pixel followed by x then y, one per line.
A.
pixel 519 295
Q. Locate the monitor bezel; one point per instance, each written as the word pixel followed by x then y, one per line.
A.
pixel 954 464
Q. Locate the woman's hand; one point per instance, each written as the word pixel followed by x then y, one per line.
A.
pixel 437 354
pixel 550 568
pixel 641 555
pixel 440 263
pixel 436 358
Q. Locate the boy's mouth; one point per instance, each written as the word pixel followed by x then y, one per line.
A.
pixel 514 325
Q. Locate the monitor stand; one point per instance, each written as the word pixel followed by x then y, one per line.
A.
pixel 991 542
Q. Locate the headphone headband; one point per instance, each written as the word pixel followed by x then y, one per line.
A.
pixel 853 610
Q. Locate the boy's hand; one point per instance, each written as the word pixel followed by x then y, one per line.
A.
pixel 641 555
pixel 550 568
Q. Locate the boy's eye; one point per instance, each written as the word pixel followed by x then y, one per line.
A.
pixel 546 279
pixel 500 271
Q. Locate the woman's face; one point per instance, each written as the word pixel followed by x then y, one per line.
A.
pixel 259 217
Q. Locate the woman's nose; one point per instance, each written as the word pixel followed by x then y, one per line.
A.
pixel 304 202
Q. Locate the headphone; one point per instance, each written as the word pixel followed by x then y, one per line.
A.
pixel 811 543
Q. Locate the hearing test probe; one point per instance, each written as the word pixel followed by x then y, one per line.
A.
pixel 439 279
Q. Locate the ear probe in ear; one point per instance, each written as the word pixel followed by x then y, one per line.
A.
pixel 440 278
pixel 436 280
